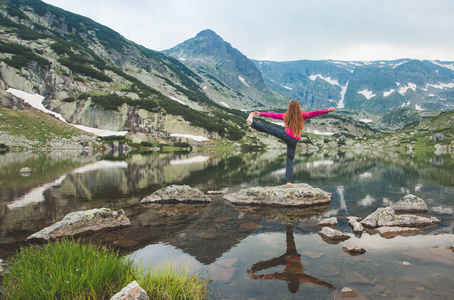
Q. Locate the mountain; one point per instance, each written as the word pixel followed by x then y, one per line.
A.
pixel 95 77
pixel 233 79
pixel 376 86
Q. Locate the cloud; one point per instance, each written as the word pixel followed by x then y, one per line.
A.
pixel 286 30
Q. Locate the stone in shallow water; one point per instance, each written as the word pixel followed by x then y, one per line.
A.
pixel 353 250
pixel 410 203
pixel 393 231
pixel 440 255
pixel 386 216
pixel 83 221
pixel 181 193
pixel 332 236
pixel 331 222
pixel 297 195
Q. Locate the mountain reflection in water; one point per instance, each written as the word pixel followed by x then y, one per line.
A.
pixel 236 245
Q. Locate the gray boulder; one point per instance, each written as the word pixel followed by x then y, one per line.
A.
pixel 83 221
pixel 371 220
pixel 353 250
pixel 356 226
pixel 132 291
pixel 297 195
pixel 410 203
pixel 333 235
pixel 330 222
pixel 181 193
pixel 386 216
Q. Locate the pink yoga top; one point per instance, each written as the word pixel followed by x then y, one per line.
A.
pixel 306 115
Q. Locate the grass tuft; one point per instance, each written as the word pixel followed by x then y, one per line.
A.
pixel 69 269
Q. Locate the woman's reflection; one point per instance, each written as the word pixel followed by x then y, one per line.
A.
pixel 293 272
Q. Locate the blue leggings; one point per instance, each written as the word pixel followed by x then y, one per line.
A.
pixel 291 145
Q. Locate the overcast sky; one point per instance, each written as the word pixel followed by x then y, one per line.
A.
pixel 286 30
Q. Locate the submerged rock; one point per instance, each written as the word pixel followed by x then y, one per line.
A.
pixel 410 203
pixel 442 255
pixel 181 193
pixel 297 195
pixel 132 291
pixel 347 293
pixel 83 221
pixel 330 222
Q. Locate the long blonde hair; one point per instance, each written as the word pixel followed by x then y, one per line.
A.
pixel 293 118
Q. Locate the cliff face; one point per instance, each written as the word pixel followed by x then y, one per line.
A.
pixel 95 77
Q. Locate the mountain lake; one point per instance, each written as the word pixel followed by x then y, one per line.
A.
pixel 248 252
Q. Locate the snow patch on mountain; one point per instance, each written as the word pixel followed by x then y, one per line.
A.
pixel 440 86
pixel 368 94
pixel 36 102
pixel 327 79
pixel 197 138
pixel 287 87
pixel 441 64
pixel 243 81
pixel 404 89
pixel 386 94
pixel 175 99
pixel 341 103
pixel 225 104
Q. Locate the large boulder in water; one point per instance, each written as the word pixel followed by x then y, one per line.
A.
pixel 410 203
pixel 297 195
pixel 83 221
pixel 386 216
pixel 177 193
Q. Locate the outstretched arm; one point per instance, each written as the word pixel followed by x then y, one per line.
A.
pixel 310 114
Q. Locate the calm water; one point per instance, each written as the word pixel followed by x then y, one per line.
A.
pixel 248 252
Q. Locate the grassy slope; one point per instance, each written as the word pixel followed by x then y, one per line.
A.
pixel 35 125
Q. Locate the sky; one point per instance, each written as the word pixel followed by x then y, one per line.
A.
pixel 286 30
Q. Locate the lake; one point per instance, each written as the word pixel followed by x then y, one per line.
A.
pixel 248 252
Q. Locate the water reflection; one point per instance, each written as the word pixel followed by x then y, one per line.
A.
pixel 220 238
pixel 293 272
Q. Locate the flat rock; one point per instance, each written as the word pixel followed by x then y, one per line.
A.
pixel 132 291
pixel 297 195
pixel 440 255
pixel 393 231
pixel 386 216
pixel 330 222
pixel 353 250
pixel 330 271
pixel 410 203
pixel 333 235
pixel 313 255
pixel 83 221
pixel 179 193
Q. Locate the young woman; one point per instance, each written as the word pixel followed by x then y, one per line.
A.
pixel 294 124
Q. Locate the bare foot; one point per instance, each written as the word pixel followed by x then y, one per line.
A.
pixel 250 118
pixel 289 184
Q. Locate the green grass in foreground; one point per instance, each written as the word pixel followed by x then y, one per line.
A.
pixel 69 269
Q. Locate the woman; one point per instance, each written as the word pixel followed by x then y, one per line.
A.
pixel 294 124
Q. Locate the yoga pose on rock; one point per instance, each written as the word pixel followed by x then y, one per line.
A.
pixel 294 125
